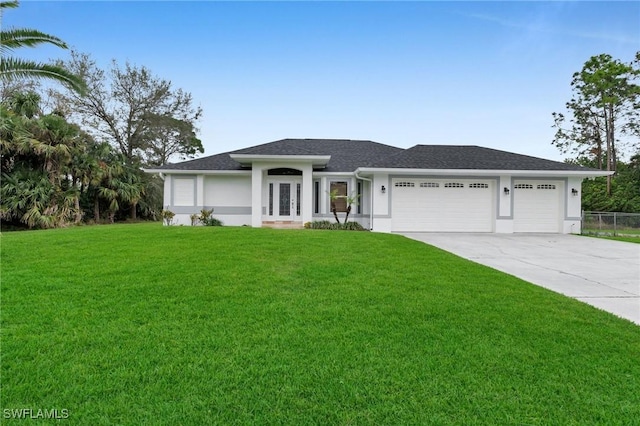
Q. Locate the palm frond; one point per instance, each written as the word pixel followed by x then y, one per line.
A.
pixel 9 4
pixel 14 38
pixel 14 68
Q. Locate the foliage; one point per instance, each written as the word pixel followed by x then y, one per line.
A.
pixel 350 200
pixel 167 217
pixel 207 219
pixel 297 327
pixel 12 68
pixel 605 106
pixel 55 174
pixel 325 224
pixel 141 115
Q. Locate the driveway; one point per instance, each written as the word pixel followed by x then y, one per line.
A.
pixel 602 273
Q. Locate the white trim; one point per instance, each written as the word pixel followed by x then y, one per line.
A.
pixel 316 160
pixel 197 172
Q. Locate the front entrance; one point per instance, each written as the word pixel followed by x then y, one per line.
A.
pixel 284 201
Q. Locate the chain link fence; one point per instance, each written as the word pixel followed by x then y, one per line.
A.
pixel 611 223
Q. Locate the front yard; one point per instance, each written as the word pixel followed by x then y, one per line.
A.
pixel 144 324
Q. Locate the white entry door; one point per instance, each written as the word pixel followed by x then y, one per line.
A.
pixel 285 200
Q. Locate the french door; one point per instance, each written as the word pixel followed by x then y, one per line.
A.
pixel 284 200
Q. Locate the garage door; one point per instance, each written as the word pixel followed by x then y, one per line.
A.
pixel 434 205
pixel 537 206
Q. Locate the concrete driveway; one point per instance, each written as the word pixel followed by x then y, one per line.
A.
pixel 602 273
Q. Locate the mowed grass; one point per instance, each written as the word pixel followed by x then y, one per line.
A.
pixel 144 324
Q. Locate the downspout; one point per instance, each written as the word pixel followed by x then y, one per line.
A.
pixel 370 198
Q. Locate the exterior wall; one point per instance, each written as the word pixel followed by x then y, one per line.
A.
pixel 228 196
pixel 232 197
pixel 504 219
pixel 381 203
pixel 573 219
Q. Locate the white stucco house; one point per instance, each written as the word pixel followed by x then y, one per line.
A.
pixel 426 188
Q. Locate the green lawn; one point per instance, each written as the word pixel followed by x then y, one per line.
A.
pixel 144 324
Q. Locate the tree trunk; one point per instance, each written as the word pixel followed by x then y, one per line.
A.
pixel 607 132
pixel 96 210
pixel 614 156
pixel 335 214
pixel 134 207
pixel 78 211
pixel 346 219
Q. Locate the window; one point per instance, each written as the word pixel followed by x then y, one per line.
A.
pixel 429 185
pixel 359 197
pixel 546 186
pixel 270 199
pixel 523 186
pixel 297 199
pixel 316 197
pixel 404 184
pixel 479 185
pixel 339 204
pixel 454 185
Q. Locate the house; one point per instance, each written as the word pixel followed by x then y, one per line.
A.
pixel 426 188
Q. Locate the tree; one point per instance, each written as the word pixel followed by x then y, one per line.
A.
pixel 346 201
pixel 604 106
pixel 12 68
pixel 37 154
pixel 141 115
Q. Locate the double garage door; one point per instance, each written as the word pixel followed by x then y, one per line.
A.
pixel 437 205
pixel 466 205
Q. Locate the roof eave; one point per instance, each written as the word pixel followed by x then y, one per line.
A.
pixel 197 172
pixel 315 160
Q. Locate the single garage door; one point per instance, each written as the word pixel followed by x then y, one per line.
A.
pixel 438 205
pixel 537 206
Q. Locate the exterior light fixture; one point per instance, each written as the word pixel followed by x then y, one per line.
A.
pixel 506 191
pixel 574 192
pixel 383 189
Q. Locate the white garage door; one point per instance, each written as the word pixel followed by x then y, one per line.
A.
pixel 537 206
pixel 435 205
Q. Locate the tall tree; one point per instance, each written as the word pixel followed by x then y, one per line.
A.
pixel 141 115
pixel 12 68
pixel 604 106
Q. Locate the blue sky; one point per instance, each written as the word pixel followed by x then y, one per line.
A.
pixel 401 73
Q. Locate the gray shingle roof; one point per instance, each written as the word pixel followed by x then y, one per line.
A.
pixel 347 155
pixel 468 157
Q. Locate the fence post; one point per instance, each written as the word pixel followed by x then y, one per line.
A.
pixel 615 224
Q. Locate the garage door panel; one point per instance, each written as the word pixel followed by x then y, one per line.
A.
pixel 442 206
pixel 537 206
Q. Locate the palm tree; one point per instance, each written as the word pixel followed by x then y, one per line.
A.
pixel 14 68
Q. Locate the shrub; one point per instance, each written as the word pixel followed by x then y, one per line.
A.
pixel 325 224
pixel 207 220
pixel 167 217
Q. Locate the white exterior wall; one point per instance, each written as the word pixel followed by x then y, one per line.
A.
pixel 504 220
pixel 229 197
pixel 381 203
pixel 573 219
pixel 232 198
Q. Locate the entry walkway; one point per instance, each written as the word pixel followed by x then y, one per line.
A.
pixel 602 273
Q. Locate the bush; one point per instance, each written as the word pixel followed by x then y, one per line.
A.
pixel 167 217
pixel 207 220
pixel 325 224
